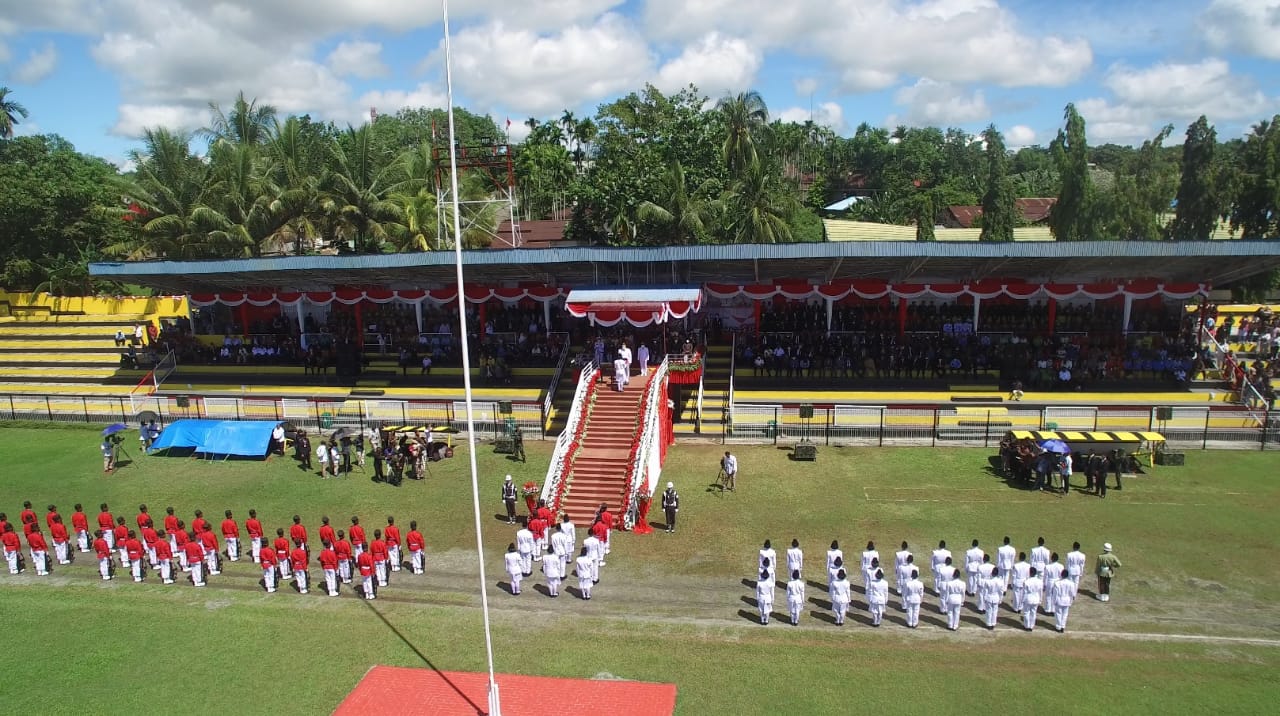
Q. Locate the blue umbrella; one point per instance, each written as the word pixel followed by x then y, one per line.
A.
pixel 113 429
pixel 1056 446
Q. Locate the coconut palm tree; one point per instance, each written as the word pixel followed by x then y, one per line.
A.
pixel 295 179
pixel 357 191
pixel 745 116
pixel 167 185
pixel 247 123
pixel 682 216
pixel 9 113
pixel 239 214
pixel 760 208
pixel 584 133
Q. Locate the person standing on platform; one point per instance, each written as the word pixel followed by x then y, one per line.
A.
pixel 764 594
pixel 587 571
pixel 509 499
pixel 1106 565
pixel 912 598
pixel 670 506
pixel 553 570
pixel 795 557
pixel 642 359
pixel 877 596
pixel 526 543
pixel 937 560
pixel 841 594
pixel 954 597
pixel 990 596
pixel 1032 595
pixel 231 537
pixel 164 558
pixel 416 544
pixel 795 597
pixel 624 352
pixel 619 374
pixel 1076 563
pixel 392 537
pixel 1063 594
pixel 80 524
pixel 972 560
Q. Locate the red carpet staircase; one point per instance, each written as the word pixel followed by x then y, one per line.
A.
pixel 599 471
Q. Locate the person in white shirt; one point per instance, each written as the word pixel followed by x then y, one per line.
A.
pixel 877 597
pixel 1005 557
pixel 795 557
pixel 833 554
pixel 594 550
pixel 869 555
pixel 624 353
pixel 768 559
pixel 833 571
pixel 553 570
pixel 562 548
pixel 945 574
pixel 586 567
pixel 764 595
pixel 990 595
pixel 953 595
pixel 322 459
pixel 1066 473
pixel 1032 595
pixel 1039 556
pixel 1052 572
pixel 1075 563
pixel 795 597
pixel 972 560
pixel 912 597
pixel 1017 578
pixel 619 374
pixel 525 546
pixel 986 569
pixel 729 463
pixel 901 566
pixel 841 595
pixel 567 527
pixel 940 557
pixel 515 568
pixel 1063 595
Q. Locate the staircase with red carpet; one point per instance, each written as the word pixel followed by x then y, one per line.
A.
pixel 599 471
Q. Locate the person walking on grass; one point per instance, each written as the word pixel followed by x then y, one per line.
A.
pixel 1107 564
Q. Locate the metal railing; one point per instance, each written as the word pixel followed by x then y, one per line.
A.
pixel 549 398
pixel 647 468
pixel 560 455
pixel 726 418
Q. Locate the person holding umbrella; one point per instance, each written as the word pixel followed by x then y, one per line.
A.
pixel 111 445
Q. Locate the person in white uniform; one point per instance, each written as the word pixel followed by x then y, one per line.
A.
pixel 945 574
pixel 1063 595
pixel 869 555
pixel 768 559
pixel 1053 571
pixel 986 569
pixel 1040 556
pixel 939 558
pixel 795 597
pixel 619 374
pixel 1018 579
pixel 912 597
pixel 877 596
pixel 832 555
pixel 901 558
pixel 595 550
pixel 525 546
pixel 833 571
pixel 553 570
pixel 567 527
pixel 587 575
pixel 764 595
pixel 841 594
pixel 514 564
pixel 624 352
pixel 561 547
pixel 1006 555
pixel 953 591
pixel 991 595
pixel 795 557
pixel 1076 563
pixel 972 561
pixel 1032 595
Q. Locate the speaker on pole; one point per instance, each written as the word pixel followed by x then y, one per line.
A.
pixel 1164 413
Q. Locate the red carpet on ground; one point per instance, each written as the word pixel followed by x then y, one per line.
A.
pixel 398 691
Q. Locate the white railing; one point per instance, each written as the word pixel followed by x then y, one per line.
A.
pixel 555 471
pixel 702 377
pixel 152 381
pixel 647 469
pixel 727 418
pixel 547 400
pixel 1248 394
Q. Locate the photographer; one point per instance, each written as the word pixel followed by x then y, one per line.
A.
pixel 729 468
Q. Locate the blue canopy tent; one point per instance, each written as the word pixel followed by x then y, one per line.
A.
pixel 243 438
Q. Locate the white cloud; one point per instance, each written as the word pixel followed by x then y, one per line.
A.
pixel 806 86
pixel 1145 99
pixel 872 42
pixel 1247 26
pixel 133 118
pixel 518 131
pixel 537 74
pixel 4 53
pixel 933 103
pixel 38 65
pixel 391 101
pixel 1019 135
pixel 357 59
pixel 826 114
pixel 715 63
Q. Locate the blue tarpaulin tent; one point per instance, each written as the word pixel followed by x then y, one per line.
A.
pixel 249 438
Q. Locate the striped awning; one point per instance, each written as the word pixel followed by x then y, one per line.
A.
pixel 1087 436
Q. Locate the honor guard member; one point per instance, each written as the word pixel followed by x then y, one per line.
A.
pixel 990 595
pixel 553 570
pixel 795 597
pixel 1019 574
pixel 764 595
pixel 587 571
pixel 841 595
pixel 1006 555
pixel 972 561
pixel 833 554
pixel 525 546
pixel 562 548
pixel 1040 556
pixel 767 559
pixel 877 596
pixel 953 591
pixel 869 555
pixel 509 499
pixel 901 559
pixel 795 557
pixel 416 544
pixel 670 506
pixel 1076 563
pixel 1053 571
pixel 1032 595
pixel 1107 564
pixel 912 597
pixel 1063 595
pixel 267 558
pixel 945 574
pixel 937 560
pixel 392 537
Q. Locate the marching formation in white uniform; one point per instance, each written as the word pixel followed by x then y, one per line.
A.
pixel 1040 584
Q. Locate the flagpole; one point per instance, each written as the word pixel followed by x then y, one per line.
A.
pixel 495 708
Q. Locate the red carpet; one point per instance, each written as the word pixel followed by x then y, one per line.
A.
pixel 398 691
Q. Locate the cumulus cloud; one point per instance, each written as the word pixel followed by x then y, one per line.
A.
pixel 357 59
pixel 1018 136
pixel 806 86
pixel 1247 26
pixel 38 65
pixel 391 101
pixel 932 103
pixel 1145 99
pixel 826 114
pixel 715 63
pixel 133 118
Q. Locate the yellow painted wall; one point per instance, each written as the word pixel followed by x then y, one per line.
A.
pixel 155 306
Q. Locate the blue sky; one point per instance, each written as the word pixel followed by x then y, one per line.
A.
pixel 98 71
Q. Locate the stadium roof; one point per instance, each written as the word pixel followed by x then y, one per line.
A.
pixel 1216 262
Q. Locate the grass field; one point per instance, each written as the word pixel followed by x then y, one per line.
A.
pixel 1194 624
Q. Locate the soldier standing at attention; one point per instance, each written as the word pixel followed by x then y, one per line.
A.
pixel 1106 568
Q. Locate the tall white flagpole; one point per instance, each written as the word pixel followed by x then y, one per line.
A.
pixel 495 708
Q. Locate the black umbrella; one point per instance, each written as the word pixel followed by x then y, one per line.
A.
pixel 148 416
pixel 341 433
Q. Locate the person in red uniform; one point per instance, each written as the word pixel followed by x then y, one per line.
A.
pixel 107 524
pixel 209 541
pixel 4 522
pixel 365 563
pixel 180 540
pixel 231 536
pixel 28 515
pixel 39 551
pixel 149 539
pixel 103 551
pixel 80 523
pixel 298 559
pixel 121 532
pixel 281 546
pixel 343 549
pixel 61 540
pixel 606 518
pixel 357 537
pixel 298 532
pixel 133 547
pixel 254 528
pixel 12 548
pixel 378 548
pixel 326 532
pixel 142 518
pixel 171 527
pixel 417 544
pixel 538 527
pixel 544 512
pixel 600 532
pixel 164 558
pixel 392 535
pixel 329 566
pixel 195 561
pixel 267 559
pixel 48 516
pixel 199 524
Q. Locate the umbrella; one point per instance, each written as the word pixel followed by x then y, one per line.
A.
pixel 1056 446
pixel 341 433
pixel 148 416
pixel 113 429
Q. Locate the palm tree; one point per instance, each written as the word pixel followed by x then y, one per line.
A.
pixel 240 214
pixel 760 208
pixel 683 215
pixel 167 186
pixel 567 123
pixel 584 133
pixel 357 191
pixel 745 115
pixel 9 113
pixel 295 180
pixel 248 123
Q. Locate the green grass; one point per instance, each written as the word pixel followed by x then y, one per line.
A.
pixel 1198 544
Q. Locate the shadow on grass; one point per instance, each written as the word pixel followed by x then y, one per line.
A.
pixel 425 660
pixel 823 616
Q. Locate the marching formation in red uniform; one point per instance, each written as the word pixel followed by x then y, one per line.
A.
pixel 199 554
